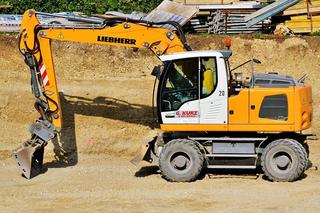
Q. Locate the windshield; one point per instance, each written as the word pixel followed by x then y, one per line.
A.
pixel 181 84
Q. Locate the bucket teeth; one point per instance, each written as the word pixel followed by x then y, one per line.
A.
pixel 29 158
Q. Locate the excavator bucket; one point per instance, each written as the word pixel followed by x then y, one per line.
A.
pixel 144 153
pixel 29 158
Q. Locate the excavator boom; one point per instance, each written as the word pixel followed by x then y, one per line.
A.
pixel 35 45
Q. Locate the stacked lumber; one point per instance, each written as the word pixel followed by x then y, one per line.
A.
pixel 304 17
pixel 224 18
pixel 5 6
pixel 304 7
pixel 266 1
pixel 197 2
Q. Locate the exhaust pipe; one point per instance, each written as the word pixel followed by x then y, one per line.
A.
pixel 29 157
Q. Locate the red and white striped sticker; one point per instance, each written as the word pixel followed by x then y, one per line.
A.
pixel 44 75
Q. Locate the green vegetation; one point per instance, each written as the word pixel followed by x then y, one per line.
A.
pixel 9 33
pixel 85 6
pixel 258 36
pixel 317 33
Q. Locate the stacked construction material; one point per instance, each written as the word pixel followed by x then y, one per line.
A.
pixel 202 2
pixel 304 16
pixel 10 23
pixel 215 17
pixel 171 11
pixel 5 6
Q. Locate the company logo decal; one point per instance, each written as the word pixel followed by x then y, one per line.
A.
pixel 116 40
pixel 187 114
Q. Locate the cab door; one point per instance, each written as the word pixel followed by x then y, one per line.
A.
pixel 180 92
pixel 214 91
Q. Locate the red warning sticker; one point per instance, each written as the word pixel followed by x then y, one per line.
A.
pixel 187 114
pixel 44 75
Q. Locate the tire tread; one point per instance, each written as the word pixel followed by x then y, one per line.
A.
pixel 199 161
pixel 301 154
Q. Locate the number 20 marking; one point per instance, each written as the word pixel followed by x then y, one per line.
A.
pixel 221 93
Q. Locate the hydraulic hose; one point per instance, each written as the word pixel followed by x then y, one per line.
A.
pixel 30 59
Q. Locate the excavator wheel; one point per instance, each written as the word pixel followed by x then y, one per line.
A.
pixel 305 151
pixel 284 160
pixel 181 161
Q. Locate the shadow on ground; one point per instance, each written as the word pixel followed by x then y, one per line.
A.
pixel 65 144
pixel 216 173
pixel 147 171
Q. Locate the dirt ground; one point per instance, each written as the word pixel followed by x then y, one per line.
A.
pixel 106 95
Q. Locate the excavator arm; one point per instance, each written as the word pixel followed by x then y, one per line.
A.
pixel 35 45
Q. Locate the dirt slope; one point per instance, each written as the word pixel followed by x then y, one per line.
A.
pixel 107 106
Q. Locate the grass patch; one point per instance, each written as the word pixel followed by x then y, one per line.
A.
pixel 317 33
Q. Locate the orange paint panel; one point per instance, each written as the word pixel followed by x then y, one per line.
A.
pixel 125 35
pixel 303 107
pixel 52 88
pixel 226 128
pixel 261 128
pixel 193 127
pixel 239 108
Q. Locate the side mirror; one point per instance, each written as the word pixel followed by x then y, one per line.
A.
pixel 256 61
pixel 157 71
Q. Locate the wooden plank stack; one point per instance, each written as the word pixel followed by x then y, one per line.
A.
pixel 5 6
pixel 197 2
pixel 304 16
pixel 171 11
pixel 223 16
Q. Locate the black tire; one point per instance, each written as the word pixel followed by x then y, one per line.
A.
pixel 306 147
pixel 284 160
pixel 181 161
pixel 305 150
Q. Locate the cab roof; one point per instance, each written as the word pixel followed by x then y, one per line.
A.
pixel 194 54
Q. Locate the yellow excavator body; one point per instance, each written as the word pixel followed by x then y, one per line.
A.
pixel 198 101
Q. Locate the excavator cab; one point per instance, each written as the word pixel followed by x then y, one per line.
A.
pixel 193 88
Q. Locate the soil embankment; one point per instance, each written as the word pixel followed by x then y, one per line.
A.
pixel 108 113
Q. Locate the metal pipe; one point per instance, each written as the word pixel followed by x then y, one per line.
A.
pixel 72 17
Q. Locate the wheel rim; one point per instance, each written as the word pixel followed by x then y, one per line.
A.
pixel 282 161
pixel 180 162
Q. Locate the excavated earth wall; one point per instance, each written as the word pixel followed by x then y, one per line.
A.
pixel 107 93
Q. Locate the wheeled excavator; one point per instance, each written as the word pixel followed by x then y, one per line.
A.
pixel 209 116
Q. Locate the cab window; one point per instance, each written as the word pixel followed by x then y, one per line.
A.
pixel 181 84
pixel 208 76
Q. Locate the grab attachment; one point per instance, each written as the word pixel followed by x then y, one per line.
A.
pixel 29 156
